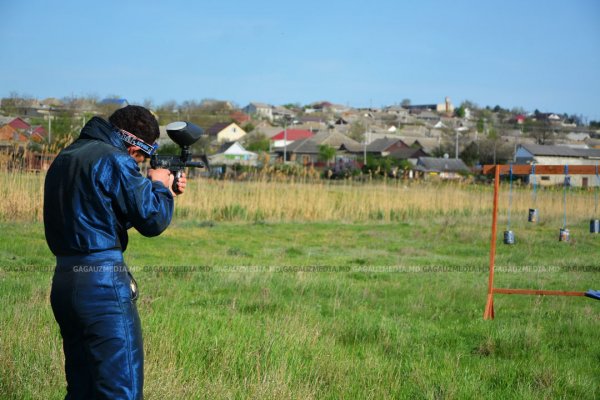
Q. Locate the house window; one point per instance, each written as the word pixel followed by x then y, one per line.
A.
pixel 545 178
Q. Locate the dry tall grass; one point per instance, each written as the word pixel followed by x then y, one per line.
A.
pixel 21 196
pixel 22 200
pixel 324 201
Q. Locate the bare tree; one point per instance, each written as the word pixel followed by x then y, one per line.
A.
pixel 15 103
pixel 541 131
pixel 357 131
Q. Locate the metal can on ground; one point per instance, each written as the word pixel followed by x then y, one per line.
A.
pixel 509 237
pixel 533 215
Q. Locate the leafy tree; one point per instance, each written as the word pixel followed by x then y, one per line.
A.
pixel 326 153
pixel 460 112
pixel 257 142
pixel 470 155
pixel 405 103
pixel 379 165
pixel 249 127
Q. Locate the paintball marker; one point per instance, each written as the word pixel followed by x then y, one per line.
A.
pixel 184 134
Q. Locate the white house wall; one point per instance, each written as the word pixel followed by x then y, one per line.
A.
pixel 231 134
pixel 576 180
pixel 549 160
pixel 557 180
pixel 282 143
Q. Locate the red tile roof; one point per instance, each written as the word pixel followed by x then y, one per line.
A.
pixel 293 134
pixel 18 123
pixel 240 117
pixel 38 134
pixel 39 130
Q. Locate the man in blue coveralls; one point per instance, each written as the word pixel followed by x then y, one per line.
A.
pixel 93 193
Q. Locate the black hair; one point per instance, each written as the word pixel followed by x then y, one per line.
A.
pixel 137 120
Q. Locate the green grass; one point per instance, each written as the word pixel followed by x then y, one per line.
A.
pixel 328 311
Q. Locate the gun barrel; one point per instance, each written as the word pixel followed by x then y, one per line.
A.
pixel 174 163
pixel 168 162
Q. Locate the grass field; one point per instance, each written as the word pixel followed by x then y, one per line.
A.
pixel 297 308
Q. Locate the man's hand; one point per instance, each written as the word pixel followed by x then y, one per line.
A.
pixel 162 175
pixel 181 183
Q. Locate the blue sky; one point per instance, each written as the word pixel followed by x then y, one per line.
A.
pixel 530 54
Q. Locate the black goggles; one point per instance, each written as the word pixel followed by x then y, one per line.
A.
pixel 133 140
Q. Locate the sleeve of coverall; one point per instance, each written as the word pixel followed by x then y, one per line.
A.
pixel 146 205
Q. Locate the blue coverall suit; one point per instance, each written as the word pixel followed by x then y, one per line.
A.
pixel 93 193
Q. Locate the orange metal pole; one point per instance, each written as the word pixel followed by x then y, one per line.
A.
pixel 489 307
pixel 538 292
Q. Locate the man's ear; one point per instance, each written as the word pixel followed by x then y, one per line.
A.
pixel 132 150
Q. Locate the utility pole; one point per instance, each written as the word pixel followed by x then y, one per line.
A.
pixel 284 140
pixel 365 147
pixel 456 148
pixel 49 125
